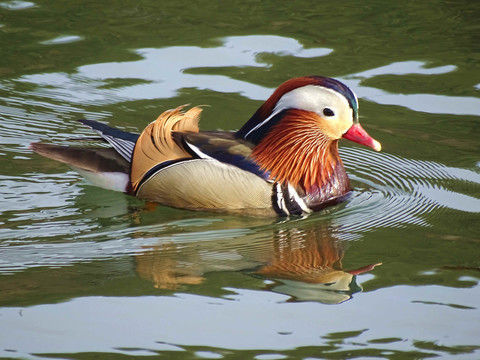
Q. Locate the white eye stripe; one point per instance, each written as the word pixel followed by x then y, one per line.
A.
pixel 310 98
pixel 313 98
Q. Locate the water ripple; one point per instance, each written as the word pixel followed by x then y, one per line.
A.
pixel 392 191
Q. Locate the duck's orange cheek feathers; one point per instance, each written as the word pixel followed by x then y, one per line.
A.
pixel 357 134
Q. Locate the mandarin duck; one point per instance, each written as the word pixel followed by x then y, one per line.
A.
pixel 283 161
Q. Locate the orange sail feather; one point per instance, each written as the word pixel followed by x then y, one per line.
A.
pixel 156 145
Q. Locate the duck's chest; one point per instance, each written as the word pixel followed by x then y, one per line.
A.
pixel 295 200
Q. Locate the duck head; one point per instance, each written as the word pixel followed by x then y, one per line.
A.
pixel 296 131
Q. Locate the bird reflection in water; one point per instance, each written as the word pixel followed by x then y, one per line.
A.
pixel 303 262
pixel 163 265
pixel 307 265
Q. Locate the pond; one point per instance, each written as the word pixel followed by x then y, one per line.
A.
pixel 392 272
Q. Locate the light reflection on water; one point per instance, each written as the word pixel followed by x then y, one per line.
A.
pixel 64 39
pixel 17 5
pixel 162 72
pixel 161 323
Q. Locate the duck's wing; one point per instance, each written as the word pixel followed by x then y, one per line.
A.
pixel 175 137
pixel 222 146
pixel 175 164
pixel 213 172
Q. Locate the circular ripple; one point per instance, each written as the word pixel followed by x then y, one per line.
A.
pixel 391 191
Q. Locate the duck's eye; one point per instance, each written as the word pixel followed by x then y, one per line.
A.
pixel 328 112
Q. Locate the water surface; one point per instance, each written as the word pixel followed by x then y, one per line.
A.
pixel 89 273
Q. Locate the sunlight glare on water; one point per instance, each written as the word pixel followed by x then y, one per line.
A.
pixel 164 71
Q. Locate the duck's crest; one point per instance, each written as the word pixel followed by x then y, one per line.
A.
pixel 156 145
pixel 262 121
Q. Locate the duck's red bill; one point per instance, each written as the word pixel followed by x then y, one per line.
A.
pixel 357 134
pixel 364 269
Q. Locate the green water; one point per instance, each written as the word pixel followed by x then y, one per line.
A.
pixel 87 273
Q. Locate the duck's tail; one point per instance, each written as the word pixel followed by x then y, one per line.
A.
pixel 123 167
pixel 103 167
